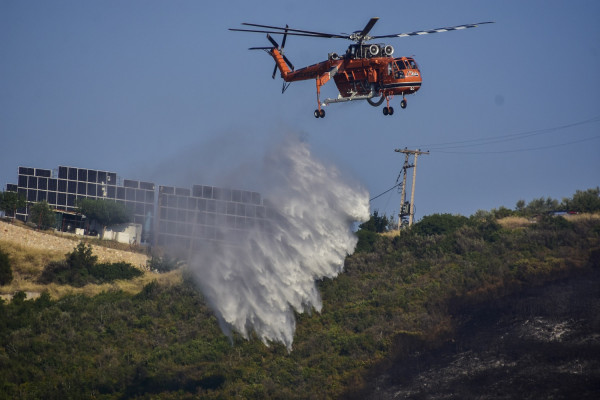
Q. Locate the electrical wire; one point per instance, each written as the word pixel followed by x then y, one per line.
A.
pixel 523 149
pixel 443 147
pixel 381 194
pixel 509 137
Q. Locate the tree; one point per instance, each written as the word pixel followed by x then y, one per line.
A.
pixel 105 212
pixel 11 201
pixel 377 223
pixel 6 275
pixel 439 224
pixel 520 207
pixel 538 207
pixel 584 201
pixel 42 215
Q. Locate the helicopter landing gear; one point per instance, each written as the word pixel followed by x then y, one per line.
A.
pixel 387 110
pixel 319 113
pixel 403 103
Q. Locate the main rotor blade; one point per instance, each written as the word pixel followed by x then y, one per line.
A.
pixel 438 30
pixel 288 62
pixel 272 41
pixel 284 37
pixel 369 26
pixel 312 33
pixel 327 36
pixel 274 71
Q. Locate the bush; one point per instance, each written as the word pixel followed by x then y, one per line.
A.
pixel 6 275
pixel 366 241
pixel 439 224
pixel 377 223
pixel 63 273
pixel 80 268
pixel 163 264
pixel 108 272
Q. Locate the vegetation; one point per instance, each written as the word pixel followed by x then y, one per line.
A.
pixel 80 268
pixel 164 263
pixel 377 223
pixel 105 212
pixel 11 201
pixel 367 233
pixel 439 224
pixel 396 296
pixel 6 275
pixel 587 201
pixel 42 215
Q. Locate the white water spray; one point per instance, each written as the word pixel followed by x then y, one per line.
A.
pixel 257 285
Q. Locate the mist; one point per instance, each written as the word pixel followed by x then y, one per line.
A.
pixel 255 281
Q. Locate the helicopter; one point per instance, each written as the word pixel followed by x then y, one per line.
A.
pixel 364 72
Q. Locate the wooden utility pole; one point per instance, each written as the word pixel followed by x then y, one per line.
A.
pixel 407 209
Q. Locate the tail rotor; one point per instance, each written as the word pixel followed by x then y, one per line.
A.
pixel 276 45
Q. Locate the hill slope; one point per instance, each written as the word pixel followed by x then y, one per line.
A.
pixel 30 251
pixel 397 295
pixel 542 343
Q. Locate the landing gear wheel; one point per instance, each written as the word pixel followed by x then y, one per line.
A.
pixel 391 111
pixel 322 113
pixel 403 103
pixel 317 114
pixel 385 111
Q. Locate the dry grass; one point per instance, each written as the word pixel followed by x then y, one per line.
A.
pixel 28 262
pixel 56 291
pixel 392 233
pixel 582 217
pixel 521 222
pixel 514 222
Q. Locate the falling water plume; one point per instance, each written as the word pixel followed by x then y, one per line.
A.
pixel 258 283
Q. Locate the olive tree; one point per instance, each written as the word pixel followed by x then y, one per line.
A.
pixel 11 201
pixel 105 212
pixel 42 215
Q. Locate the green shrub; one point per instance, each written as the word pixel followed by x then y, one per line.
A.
pixel 163 264
pixel 63 273
pixel 108 272
pixel 80 268
pixel 439 224
pixel 377 223
pixel 6 275
pixel 81 257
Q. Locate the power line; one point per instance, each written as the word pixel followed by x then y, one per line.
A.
pixel 508 137
pixel 550 146
pixel 381 194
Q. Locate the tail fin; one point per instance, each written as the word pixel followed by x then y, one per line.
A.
pixel 281 61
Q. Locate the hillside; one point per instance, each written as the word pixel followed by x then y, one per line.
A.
pixel 30 250
pixel 541 343
pixel 398 295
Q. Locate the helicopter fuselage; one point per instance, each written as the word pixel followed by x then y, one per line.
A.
pixel 365 71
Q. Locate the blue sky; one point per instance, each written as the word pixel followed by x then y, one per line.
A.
pixel 162 91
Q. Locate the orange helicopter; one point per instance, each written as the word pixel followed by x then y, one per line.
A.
pixel 364 72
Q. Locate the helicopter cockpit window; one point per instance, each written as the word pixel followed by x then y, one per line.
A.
pixel 351 52
pixel 400 64
pixel 412 63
